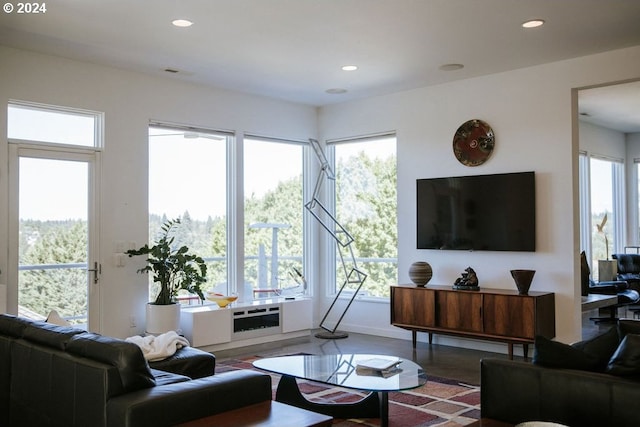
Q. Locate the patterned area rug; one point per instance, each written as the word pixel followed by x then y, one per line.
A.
pixel 440 402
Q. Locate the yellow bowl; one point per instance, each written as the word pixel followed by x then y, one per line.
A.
pixel 222 300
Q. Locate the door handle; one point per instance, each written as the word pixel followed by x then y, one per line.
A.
pixel 97 269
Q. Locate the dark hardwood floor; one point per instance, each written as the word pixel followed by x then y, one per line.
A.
pixel 438 360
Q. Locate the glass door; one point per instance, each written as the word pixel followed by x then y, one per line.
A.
pixel 54 232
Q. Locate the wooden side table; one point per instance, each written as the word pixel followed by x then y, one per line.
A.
pixel 264 414
pixel 488 422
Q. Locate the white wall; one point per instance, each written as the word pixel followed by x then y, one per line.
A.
pixel 533 113
pixel 129 100
pixel 598 140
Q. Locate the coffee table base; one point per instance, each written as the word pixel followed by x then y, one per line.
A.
pixel 375 405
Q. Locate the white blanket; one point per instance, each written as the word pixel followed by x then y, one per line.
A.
pixel 159 347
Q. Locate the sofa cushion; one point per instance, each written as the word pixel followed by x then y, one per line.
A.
pixel 126 357
pixel 191 362
pixel 554 354
pixel 50 335
pixel 164 378
pixel 628 326
pixel 13 326
pixel 626 360
pixel 600 347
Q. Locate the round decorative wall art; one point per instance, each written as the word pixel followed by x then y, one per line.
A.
pixel 473 142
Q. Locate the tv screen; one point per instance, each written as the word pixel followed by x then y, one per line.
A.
pixel 482 212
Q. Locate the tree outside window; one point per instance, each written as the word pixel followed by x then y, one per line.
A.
pixel 366 206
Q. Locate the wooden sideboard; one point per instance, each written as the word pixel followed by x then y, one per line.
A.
pixel 488 314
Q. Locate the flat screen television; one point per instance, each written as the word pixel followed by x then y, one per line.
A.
pixel 481 213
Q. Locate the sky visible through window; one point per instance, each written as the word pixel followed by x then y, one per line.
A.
pixel 50 189
pixel 601 186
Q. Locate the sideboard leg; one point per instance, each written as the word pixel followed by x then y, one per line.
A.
pixel 510 350
pixel 414 338
pixel 525 351
pixel 430 338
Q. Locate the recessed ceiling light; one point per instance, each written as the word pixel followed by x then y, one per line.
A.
pixel 533 23
pixel 349 67
pixel 336 91
pixel 451 67
pixel 182 23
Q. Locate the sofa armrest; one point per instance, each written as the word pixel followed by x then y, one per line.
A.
pixel 515 392
pixel 172 404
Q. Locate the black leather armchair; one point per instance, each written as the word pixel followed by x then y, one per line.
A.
pixel 626 296
pixel 629 269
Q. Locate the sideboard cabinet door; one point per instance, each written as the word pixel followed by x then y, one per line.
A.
pixel 509 316
pixel 413 306
pixel 461 311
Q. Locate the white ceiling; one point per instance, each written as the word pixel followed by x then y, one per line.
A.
pixel 293 49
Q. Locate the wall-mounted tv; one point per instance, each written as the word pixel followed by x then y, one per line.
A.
pixel 481 212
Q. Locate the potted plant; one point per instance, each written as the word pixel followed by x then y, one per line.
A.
pixel 173 269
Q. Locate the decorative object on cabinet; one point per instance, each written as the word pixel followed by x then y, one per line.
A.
pixel 523 279
pixel 352 274
pixel 473 142
pixel 468 281
pixel 420 273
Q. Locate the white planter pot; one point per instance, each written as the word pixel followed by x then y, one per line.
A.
pixel 162 318
pixel 607 270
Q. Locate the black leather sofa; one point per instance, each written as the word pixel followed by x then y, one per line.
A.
pixel 59 376
pixel 577 387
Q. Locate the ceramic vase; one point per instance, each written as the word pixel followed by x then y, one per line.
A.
pixel 420 273
pixel 523 280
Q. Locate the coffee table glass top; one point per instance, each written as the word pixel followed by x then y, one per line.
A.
pixel 342 370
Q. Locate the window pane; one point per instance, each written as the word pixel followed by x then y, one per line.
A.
pixel 602 214
pixel 273 211
pixel 366 201
pixel 60 127
pixel 53 249
pixel 187 180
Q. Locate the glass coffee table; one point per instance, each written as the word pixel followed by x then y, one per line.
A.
pixel 344 370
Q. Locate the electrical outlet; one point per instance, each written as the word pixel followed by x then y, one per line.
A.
pixel 132 322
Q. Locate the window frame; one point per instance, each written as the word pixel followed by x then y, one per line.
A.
pixel 98 127
pixel 229 142
pixel 333 283
pixel 618 193
pixel 307 246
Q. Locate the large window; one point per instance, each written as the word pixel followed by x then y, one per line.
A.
pixel 365 205
pixel 188 180
pixel 602 208
pixel 273 217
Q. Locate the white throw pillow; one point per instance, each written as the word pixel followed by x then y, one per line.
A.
pixel 55 318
